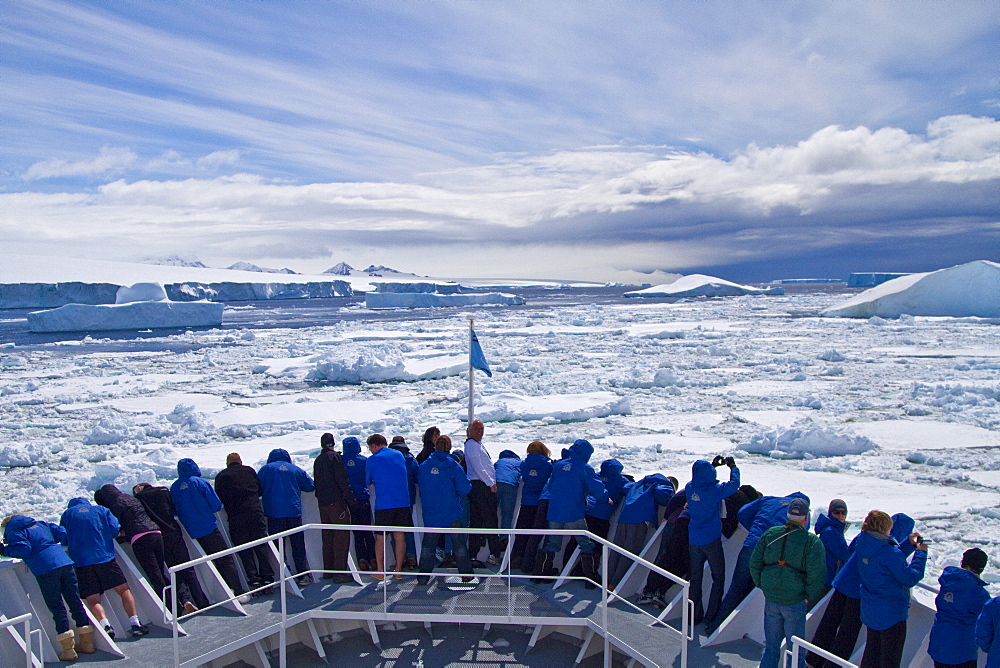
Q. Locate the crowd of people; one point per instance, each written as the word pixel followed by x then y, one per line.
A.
pixel 870 577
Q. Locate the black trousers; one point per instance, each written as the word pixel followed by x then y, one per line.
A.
pixel 531 544
pixel 148 551
pixel 247 527
pixel 214 542
pixel 176 552
pixel 884 649
pixel 838 630
pixel 483 515
pixel 596 526
pixel 525 520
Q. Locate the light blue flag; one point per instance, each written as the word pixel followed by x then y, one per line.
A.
pixel 477 360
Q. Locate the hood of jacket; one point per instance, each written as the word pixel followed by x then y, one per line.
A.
pixel 954 578
pixel 581 450
pixel 187 468
pixel 352 446
pixel 78 501
pixel 443 459
pixel 509 454
pixel 902 527
pixel 20 522
pixel 279 455
pixel 106 495
pixel 825 522
pixel 611 468
pixel 869 543
pixel 703 474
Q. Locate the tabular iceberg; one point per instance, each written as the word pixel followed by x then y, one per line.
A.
pixel 699 285
pixel 433 299
pixel 130 316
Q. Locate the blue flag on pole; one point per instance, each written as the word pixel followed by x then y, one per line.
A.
pixel 477 360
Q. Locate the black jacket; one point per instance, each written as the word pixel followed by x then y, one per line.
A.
pixel 239 490
pixel 160 508
pixel 126 509
pixel 330 476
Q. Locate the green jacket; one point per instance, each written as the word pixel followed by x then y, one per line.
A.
pixel 801 577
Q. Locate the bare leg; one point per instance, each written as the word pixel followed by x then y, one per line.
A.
pixel 400 549
pixel 380 551
pixel 94 603
pixel 127 601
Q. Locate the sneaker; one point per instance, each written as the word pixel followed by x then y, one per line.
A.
pixel 243 599
pixel 110 631
pixel 190 607
pixel 493 561
pixel 645 599
pixel 304 580
pixel 138 630
pixel 410 563
pixel 465 579
pixel 659 601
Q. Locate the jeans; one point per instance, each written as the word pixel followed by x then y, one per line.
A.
pixel 553 543
pixel 781 622
pixel 460 546
pixel 279 524
pixel 59 585
pixel 740 587
pixel 364 541
pixel 506 499
pixel 713 554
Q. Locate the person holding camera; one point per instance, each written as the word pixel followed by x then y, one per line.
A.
pixel 705 495
pixel 886 579
pixel 963 594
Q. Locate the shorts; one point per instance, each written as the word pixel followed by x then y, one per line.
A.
pixel 98 578
pixel 394 517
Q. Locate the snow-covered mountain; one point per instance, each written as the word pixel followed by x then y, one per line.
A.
pixel 248 266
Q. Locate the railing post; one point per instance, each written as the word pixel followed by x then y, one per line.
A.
pixel 173 622
pixel 604 605
pixel 28 654
pixel 282 648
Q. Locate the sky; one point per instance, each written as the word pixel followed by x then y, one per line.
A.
pixel 567 140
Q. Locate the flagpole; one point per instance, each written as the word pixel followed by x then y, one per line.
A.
pixel 472 374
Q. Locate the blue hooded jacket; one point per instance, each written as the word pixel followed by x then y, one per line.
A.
pixel 643 497
pixel 508 468
pixel 90 532
pixel 195 501
pixel 831 533
pixel 535 471
pixel 768 511
pixel 704 494
pixel 444 484
pixel 571 480
pixel 614 486
pixel 282 484
pixel 988 632
pixel 386 469
pixel 962 597
pixel 37 543
pixel 354 461
pixel 886 579
pixel 848 580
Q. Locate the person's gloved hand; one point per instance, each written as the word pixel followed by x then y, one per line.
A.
pixel 730 462
pixel 718 461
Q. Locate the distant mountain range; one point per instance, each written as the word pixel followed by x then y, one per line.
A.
pixel 247 266
pixel 344 269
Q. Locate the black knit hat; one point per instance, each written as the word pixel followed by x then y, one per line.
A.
pixel 975 559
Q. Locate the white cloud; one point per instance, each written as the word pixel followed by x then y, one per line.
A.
pixel 111 159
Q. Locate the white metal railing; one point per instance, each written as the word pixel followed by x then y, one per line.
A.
pixel 685 633
pixel 29 656
pixel 799 645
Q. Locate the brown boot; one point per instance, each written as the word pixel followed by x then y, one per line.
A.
pixel 66 641
pixel 85 639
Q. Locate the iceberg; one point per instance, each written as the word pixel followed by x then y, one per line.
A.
pixel 966 290
pixel 128 316
pixel 699 285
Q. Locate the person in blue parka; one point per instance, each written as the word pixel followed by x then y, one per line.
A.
pixel 38 544
pixel 196 504
pixel 508 473
pixel 442 479
pixel 886 579
pixel 600 511
pixel 988 632
pixel 639 511
pixel 705 494
pixel 90 534
pixel 364 541
pixel 282 484
pixel 536 468
pixel 572 479
pixel 961 599
pixel 756 517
